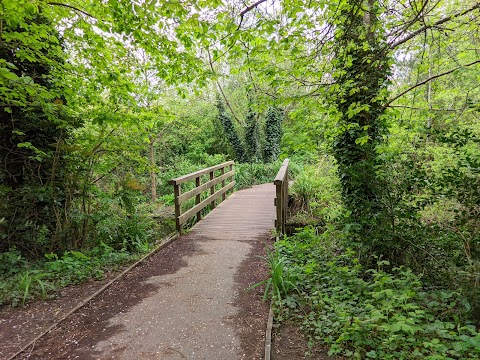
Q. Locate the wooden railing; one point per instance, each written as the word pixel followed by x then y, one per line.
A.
pixel 281 199
pixel 181 198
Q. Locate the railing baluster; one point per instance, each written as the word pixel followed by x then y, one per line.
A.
pixel 212 189
pixel 197 198
pixel 178 209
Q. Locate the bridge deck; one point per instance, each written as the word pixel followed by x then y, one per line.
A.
pixel 188 301
pixel 246 215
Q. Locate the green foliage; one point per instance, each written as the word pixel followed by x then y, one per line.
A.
pixel 33 127
pixel 316 193
pixel 273 134
pixel 279 284
pixel 432 222
pixel 11 262
pixel 254 139
pixel 302 138
pixel 361 69
pixel 250 174
pixel 231 132
pixel 404 185
pixel 136 233
pixel 368 313
pixel 31 280
pixel 252 135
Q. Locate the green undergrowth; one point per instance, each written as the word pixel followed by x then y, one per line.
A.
pixel 379 313
pixel 316 193
pixel 23 280
pixel 250 174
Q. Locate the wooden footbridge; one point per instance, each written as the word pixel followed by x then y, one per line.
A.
pixel 242 213
pixel 189 299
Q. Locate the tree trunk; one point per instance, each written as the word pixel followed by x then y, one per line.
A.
pixel 362 73
pixel 153 173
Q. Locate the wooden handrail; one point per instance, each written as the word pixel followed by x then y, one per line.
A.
pixel 281 199
pixel 198 173
pixel 180 198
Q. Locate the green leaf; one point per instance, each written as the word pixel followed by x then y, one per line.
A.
pixel 396 327
pixel 6 73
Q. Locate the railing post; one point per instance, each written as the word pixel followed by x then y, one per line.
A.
pixel 278 204
pixel 233 178
pixel 212 189
pixel 178 210
pixel 281 200
pixel 285 202
pixel 222 171
pixel 197 199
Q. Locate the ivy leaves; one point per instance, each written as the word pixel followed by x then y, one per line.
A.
pixel 249 149
pixel 273 133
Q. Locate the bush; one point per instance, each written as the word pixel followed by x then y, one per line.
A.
pixel 11 262
pixel 369 313
pixel 250 174
pixel 39 279
pixel 316 192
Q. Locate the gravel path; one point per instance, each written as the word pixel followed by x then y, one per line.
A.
pixel 188 301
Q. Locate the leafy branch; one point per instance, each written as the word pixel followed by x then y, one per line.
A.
pixel 435 24
pixel 428 80
pixel 248 9
pixel 72 8
pixel 221 90
pixel 425 109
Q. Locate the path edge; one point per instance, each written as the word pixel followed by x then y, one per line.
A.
pixel 268 331
pixel 268 335
pixel 169 239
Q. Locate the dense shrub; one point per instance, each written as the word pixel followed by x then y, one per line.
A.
pixel 22 280
pixel 316 193
pixel 368 313
pixel 250 174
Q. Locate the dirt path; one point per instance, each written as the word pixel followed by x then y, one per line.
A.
pixel 188 301
pixel 20 325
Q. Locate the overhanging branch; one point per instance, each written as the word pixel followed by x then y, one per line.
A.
pixel 428 80
pixel 435 24
pixel 72 8
pixel 426 109
pixel 247 9
pixel 221 90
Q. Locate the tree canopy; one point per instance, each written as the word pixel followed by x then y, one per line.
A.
pixel 376 102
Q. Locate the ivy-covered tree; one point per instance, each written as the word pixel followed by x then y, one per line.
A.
pixel 361 69
pixel 252 136
pixel 273 134
pixel 230 132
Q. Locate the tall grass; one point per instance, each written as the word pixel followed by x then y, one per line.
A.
pixel 316 191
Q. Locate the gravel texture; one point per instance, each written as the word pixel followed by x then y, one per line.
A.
pixel 188 301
